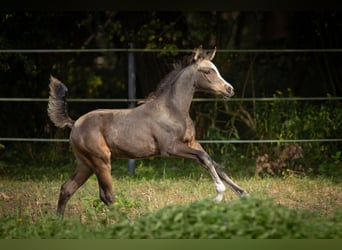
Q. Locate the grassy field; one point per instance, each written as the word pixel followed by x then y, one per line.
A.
pixel 31 199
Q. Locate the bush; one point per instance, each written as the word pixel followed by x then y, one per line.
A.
pixel 244 218
pixel 206 219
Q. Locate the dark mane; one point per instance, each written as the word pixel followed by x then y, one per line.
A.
pixel 165 83
pixel 170 78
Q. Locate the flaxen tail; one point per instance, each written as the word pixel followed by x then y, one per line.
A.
pixel 57 107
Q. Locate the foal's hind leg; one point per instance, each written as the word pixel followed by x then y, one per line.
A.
pixel 104 177
pixel 81 175
pixel 101 167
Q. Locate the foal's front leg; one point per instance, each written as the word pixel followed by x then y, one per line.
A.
pixel 185 151
pixel 223 176
pixel 209 164
pixel 236 188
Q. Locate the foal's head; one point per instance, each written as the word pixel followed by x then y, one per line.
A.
pixel 207 77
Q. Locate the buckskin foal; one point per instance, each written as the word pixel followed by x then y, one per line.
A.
pixel 161 126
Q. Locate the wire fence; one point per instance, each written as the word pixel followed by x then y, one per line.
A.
pixel 126 100
pixel 336 50
pixel 200 141
pixel 244 99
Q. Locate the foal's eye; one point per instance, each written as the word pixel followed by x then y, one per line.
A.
pixel 206 71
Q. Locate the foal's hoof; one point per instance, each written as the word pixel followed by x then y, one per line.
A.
pixel 245 195
pixel 219 197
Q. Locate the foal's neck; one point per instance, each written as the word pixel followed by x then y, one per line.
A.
pixel 182 91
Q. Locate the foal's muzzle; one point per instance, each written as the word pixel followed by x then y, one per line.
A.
pixel 229 91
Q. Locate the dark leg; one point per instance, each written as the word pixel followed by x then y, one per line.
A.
pixel 223 176
pixel 183 150
pixel 102 168
pixel 97 157
pixel 81 175
pixel 105 185
pixel 238 190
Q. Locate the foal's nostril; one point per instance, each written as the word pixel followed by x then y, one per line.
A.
pixel 230 90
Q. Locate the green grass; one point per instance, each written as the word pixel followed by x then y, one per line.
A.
pixel 206 219
pixel 171 200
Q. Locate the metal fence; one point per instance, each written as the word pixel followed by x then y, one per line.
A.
pixel 271 99
pixel 127 100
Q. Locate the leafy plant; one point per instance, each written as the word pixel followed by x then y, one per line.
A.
pixel 245 218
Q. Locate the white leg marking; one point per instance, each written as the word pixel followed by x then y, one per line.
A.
pixel 219 197
pixel 220 188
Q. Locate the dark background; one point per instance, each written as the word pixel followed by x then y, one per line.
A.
pixel 244 38
pixel 104 75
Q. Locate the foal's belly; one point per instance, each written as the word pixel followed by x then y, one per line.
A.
pixel 131 143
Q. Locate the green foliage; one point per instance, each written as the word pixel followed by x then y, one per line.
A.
pixel 279 119
pixel 297 120
pixel 160 34
pixel 243 218
pixel 332 167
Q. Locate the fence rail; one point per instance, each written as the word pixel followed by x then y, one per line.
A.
pixel 9 139
pixel 336 50
pixel 245 99
pixel 126 50
pixel 265 99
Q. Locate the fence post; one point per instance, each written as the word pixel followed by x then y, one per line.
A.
pixel 131 93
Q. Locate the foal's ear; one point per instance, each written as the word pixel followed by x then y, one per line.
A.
pixel 212 54
pixel 197 53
